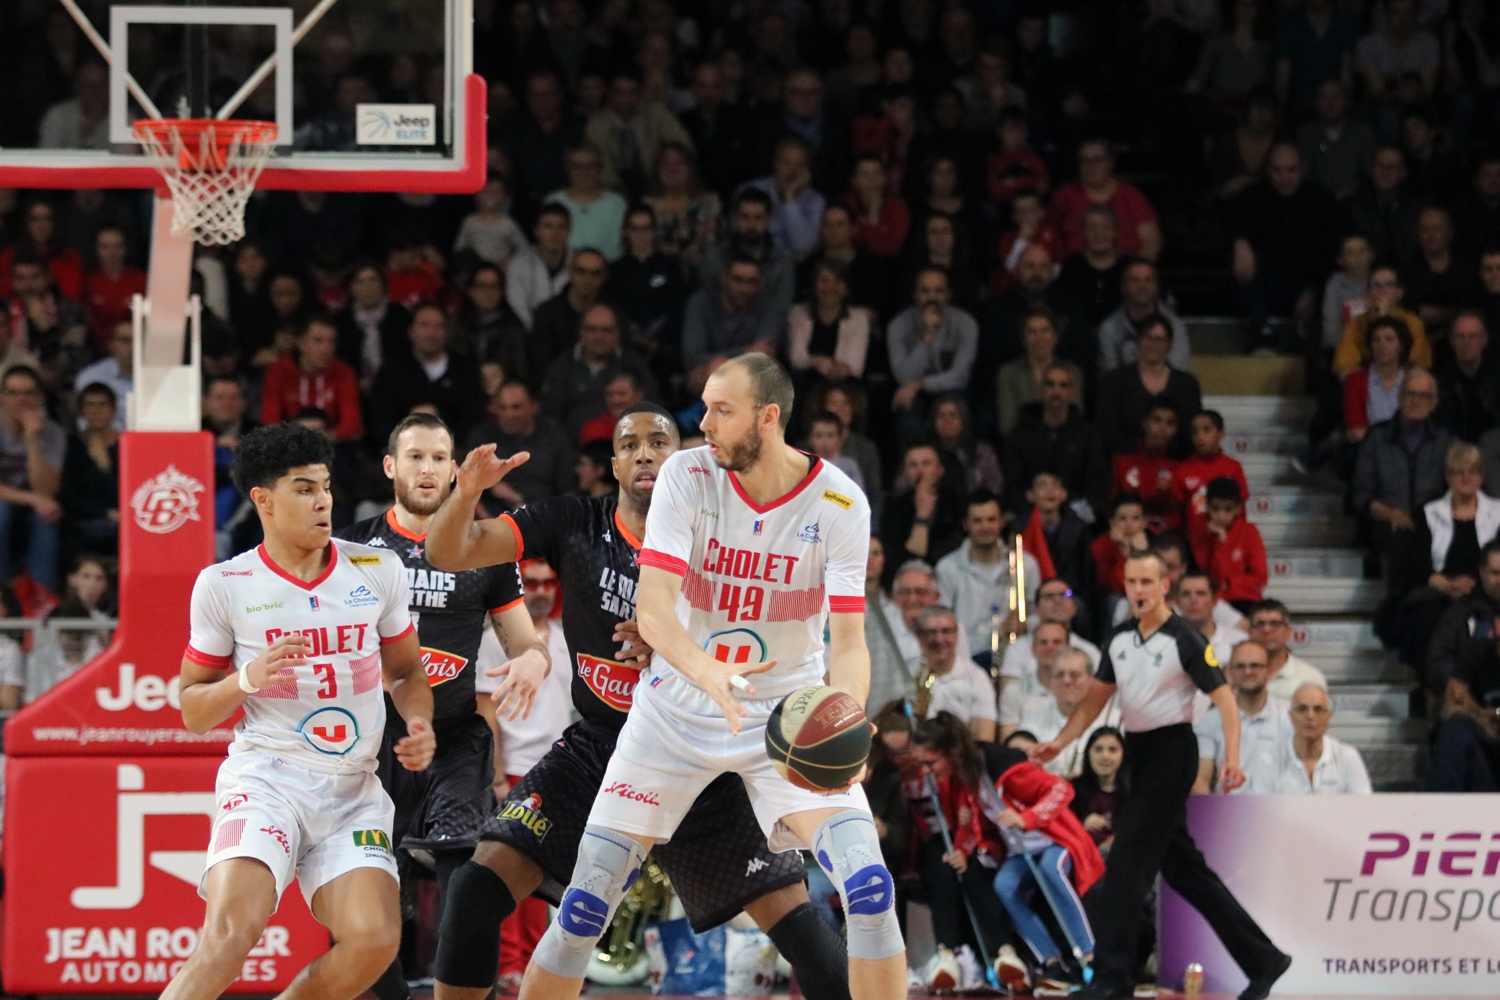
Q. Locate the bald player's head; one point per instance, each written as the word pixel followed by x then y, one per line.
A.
pixel 747 403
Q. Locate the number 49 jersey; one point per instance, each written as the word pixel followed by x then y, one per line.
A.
pixel 331 716
pixel 757 580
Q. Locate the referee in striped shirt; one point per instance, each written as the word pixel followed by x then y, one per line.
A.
pixel 1155 663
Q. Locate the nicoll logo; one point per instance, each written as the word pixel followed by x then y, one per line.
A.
pixel 626 790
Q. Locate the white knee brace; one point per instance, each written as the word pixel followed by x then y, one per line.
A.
pixel 608 865
pixel 848 848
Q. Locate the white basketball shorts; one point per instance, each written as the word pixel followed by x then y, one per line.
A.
pixel 300 823
pixel 675 741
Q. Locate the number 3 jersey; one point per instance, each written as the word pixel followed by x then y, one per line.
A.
pixel 331 716
pixel 757 579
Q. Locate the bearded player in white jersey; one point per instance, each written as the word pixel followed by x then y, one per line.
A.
pixel 751 544
pixel 300 633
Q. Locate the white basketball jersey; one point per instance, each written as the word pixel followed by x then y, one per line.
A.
pixel 331 717
pixel 758 580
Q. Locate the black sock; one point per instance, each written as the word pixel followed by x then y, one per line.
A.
pixel 392 984
pixel 816 952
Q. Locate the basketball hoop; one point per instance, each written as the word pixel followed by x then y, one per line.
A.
pixel 210 166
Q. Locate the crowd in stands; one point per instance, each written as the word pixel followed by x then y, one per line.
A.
pixel 971 232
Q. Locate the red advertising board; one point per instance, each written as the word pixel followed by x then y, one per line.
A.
pixel 102 861
pixel 124 702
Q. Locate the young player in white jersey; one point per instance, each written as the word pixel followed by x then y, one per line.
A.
pixel 750 544
pixel 301 633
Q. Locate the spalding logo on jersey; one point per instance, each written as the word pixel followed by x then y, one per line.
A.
pixel 441 667
pixel 333 731
pixel 612 683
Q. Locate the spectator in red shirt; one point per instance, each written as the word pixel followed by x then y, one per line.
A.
pixel 411 276
pixel 1207 463
pixel 312 377
pixel 107 291
pixel 1149 470
pixel 1139 234
pixel 880 219
pixel 64 263
pixel 1233 552
pixel 1127 534
pixel 1030 230
pixel 1015 168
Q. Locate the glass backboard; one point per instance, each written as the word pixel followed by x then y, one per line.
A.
pixel 366 94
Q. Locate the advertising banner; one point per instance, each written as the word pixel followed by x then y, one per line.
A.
pixel 102 862
pixel 124 701
pixel 1369 894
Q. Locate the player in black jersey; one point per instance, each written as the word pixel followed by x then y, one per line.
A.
pixel 439 812
pixel 718 860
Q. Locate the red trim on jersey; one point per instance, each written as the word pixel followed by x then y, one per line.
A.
pixel 846 605
pixel 515 530
pixel 635 543
pixel 734 481
pixel 395 525
pixel 387 640
pixel 206 659
pixel 333 560
pixel 661 560
pixel 506 607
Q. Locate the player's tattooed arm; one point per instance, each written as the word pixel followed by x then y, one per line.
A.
pixel 527 668
pixel 455 541
pixel 210 695
pixel 406 680
pixel 656 611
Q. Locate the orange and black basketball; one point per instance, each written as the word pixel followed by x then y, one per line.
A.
pixel 818 738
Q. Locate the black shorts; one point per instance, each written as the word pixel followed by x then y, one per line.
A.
pixel 717 859
pixel 443 807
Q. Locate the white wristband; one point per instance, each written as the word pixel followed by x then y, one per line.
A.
pixel 245 685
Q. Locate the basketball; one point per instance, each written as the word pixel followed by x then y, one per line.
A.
pixel 818 738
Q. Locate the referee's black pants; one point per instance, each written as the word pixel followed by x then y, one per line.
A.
pixel 1151 836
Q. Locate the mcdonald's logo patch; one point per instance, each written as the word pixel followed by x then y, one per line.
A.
pixel 373 838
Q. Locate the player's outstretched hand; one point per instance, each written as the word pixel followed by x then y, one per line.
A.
pixel 276 663
pixel 523 678
pixel 416 748
pixel 723 680
pixel 638 653
pixel 482 470
pixel 1230 778
pixel 1043 752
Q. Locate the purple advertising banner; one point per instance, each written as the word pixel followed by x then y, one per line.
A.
pixel 1369 894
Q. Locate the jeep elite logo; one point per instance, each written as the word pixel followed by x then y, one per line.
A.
pixel 166 502
pixel 396 124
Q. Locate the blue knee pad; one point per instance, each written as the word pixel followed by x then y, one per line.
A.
pixel 608 865
pixel 848 849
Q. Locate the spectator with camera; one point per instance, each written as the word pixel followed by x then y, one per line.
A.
pixel 947 682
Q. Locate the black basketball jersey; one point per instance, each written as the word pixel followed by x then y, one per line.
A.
pixel 448 609
pixel 593 554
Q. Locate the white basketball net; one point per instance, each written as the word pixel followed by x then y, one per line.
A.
pixel 211 169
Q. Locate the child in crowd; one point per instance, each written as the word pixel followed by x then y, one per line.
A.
pixel 825 436
pixel 1207 463
pixel 489 230
pixel 1029 214
pixel 1045 842
pixel 1063 532
pixel 1233 551
pixel 1127 534
pixel 1344 294
pixel 1100 789
pixel 1015 167
pixel 1148 471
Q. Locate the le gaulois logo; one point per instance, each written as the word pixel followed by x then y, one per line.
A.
pixel 612 683
pixel 441 667
pixel 166 502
